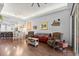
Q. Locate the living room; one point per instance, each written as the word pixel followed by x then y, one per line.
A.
pixel 46 31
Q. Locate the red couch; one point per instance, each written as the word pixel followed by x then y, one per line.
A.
pixel 42 38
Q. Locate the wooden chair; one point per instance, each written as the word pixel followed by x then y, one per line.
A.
pixel 31 34
pixel 54 37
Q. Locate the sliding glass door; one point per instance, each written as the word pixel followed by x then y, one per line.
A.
pixel 77 29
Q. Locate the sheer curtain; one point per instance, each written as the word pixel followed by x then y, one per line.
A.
pixel 77 28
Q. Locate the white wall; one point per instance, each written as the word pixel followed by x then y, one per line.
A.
pixel 64 24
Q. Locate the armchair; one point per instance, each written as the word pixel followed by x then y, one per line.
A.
pixel 55 36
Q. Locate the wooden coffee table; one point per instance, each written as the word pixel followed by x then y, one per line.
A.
pixel 33 41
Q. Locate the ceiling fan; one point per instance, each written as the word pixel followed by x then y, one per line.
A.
pixel 38 4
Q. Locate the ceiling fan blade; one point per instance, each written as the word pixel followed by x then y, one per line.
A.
pixel 38 4
pixel 32 4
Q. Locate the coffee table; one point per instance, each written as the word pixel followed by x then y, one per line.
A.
pixel 33 41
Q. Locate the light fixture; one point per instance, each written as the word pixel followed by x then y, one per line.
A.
pixel 1 17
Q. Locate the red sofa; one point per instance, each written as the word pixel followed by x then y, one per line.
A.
pixel 42 38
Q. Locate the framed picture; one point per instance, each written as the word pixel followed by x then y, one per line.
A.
pixel 35 27
pixel 56 23
pixel 44 25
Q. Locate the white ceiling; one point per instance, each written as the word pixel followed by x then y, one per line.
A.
pixel 25 11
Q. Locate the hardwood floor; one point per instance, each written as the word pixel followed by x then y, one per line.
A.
pixel 21 48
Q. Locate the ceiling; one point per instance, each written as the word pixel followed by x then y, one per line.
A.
pixel 25 10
